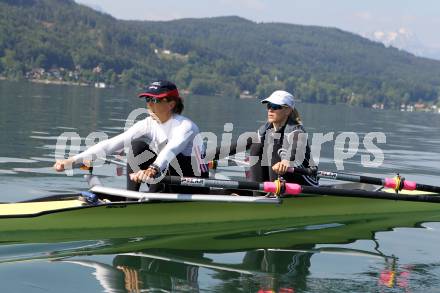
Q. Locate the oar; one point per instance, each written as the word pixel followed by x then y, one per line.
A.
pixel 292 189
pixel 146 196
pixel 397 183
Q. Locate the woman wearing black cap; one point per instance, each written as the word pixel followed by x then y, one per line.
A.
pixel 163 141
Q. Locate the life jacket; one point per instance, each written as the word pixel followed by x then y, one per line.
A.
pixel 281 149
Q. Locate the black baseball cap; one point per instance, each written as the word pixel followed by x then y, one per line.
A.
pixel 160 89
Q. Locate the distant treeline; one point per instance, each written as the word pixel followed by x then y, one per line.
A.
pixel 62 40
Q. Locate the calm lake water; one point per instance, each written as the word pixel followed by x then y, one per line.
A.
pixel 404 259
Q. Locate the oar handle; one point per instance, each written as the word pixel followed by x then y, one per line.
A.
pixel 392 183
pixel 290 188
pixel 409 185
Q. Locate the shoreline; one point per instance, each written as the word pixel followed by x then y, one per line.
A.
pixel 58 82
pixel 241 96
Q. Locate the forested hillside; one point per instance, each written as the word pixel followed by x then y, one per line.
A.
pixel 59 39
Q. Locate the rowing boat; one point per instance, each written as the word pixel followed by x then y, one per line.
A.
pixel 163 223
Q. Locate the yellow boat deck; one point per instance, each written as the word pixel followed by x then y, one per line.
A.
pixel 35 208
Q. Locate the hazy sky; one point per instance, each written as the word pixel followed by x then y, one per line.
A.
pixel 422 18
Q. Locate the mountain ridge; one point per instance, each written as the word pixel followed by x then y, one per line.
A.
pixel 219 55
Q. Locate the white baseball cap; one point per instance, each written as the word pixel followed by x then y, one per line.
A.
pixel 280 98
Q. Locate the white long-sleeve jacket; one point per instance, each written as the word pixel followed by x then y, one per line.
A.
pixel 167 140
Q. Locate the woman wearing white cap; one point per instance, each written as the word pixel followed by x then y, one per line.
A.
pixel 282 143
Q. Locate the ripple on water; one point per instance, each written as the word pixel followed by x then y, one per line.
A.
pixel 41 251
pixel 15 160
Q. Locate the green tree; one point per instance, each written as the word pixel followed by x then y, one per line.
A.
pixel 204 87
pixel 266 87
pixel 183 77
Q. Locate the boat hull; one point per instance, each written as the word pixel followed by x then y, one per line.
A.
pixel 163 224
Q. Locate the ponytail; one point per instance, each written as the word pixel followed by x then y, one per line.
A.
pixel 295 116
pixel 178 108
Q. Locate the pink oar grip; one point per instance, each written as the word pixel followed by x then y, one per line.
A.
pixel 269 187
pixel 291 188
pixel 408 185
pixel 390 183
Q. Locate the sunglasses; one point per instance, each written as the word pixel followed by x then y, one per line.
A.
pixel 274 106
pixel 153 100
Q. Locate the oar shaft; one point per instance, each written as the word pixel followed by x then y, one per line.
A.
pixel 428 188
pixel 338 176
pixel 350 177
pixel 290 188
pixel 295 189
pixel 368 194
pixel 386 182
pixel 216 183
pixel 141 196
pixel 118 163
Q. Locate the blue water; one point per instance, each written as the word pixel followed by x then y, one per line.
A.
pixel 32 116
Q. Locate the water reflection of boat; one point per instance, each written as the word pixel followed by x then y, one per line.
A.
pixel 228 258
pixel 179 270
